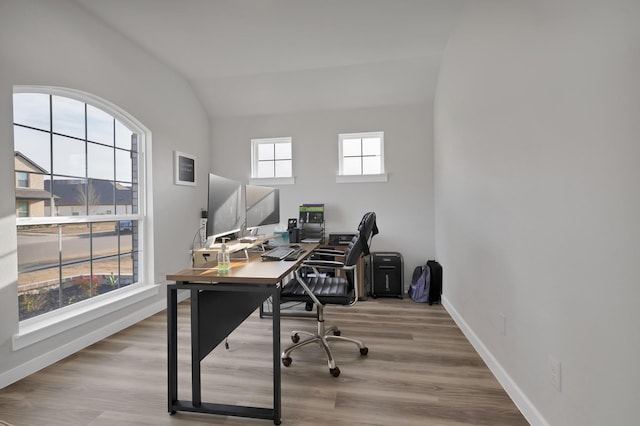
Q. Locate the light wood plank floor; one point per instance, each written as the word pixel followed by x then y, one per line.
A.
pixel 420 371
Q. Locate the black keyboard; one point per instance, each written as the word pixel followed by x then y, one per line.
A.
pixel 277 253
pixel 295 254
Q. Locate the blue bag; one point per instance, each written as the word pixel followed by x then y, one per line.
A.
pixel 420 283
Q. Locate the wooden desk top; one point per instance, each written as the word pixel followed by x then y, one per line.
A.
pixel 252 271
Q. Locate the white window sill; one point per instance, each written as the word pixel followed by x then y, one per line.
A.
pixel 362 178
pixel 272 181
pixel 34 330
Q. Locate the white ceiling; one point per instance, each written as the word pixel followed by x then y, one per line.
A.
pixel 254 57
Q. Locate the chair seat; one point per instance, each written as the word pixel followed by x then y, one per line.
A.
pixel 328 290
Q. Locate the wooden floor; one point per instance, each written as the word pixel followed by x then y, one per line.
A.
pixel 420 371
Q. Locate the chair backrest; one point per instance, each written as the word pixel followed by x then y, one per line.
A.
pixel 359 244
pixel 367 229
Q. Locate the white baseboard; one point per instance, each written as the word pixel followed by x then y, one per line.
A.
pixel 62 352
pixel 528 410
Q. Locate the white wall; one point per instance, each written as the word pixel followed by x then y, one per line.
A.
pixel 537 125
pixel 403 205
pixel 56 43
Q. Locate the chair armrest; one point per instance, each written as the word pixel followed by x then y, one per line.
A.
pixel 323 263
pixel 328 252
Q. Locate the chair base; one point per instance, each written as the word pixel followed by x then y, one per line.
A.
pixel 322 336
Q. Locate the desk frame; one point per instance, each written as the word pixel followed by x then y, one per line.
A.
pixel 230 310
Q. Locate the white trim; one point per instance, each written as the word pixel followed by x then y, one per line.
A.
pixel 272 181
pixel 60 352
pixel 362 178
pixel 526 407
pixel 42 327
pixel 56 220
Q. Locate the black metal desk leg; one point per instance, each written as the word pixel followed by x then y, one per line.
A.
pixel 277 388
pixel 196 390
pixel 172 338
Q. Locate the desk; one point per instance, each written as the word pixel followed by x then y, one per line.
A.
pixel 222 302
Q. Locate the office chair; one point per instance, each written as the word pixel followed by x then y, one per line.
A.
pixel 312 286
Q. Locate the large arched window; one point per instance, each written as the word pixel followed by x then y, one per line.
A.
pixel 79 198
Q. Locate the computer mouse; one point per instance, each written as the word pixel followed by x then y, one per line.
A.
pixel 294 246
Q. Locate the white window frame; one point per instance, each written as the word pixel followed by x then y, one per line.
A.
pixel 361 178
pixel 255 180
pixel 47 325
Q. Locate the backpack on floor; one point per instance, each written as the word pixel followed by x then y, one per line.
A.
pixel 420 283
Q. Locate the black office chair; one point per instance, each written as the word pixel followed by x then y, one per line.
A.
pixel 313 285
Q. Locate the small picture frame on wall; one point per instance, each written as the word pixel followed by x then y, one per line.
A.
pixel 184 169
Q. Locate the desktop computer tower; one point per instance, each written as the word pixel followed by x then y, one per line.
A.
pixel 387 275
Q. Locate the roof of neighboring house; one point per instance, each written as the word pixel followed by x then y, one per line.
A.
pixel 72 192
pixel 34 167
pixel 32 194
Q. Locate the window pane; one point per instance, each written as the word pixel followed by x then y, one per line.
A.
pixel 283 151
pixel 70 196
pixel 265 151
pixel 34 145
pixel 31 109
pixel 123 165
pixel 77 283
pixel 371 165
pixel 371 146
pixel 31 195
pixel 68 157
pixel 38 282
pixel 351 147
pixel 352 166
pixel 283 168
pixel 126 270
pixel 99 126
pixel 123 136
pixel 101 196
pixel 38 292
pixel 68 116
pixel 124 194
pixel 265 169
pixel 100 161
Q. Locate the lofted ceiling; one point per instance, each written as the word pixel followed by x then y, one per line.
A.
pixel 256 57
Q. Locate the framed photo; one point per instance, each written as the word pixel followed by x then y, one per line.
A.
pixel 184 169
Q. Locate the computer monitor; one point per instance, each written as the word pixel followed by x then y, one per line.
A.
pixel 226 206
pixel 263 206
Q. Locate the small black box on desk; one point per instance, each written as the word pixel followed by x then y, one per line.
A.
pixel 387 274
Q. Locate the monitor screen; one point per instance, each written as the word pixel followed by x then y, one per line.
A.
pixel 226 207
pixel 263 206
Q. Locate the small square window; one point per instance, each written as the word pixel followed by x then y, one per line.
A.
pixel 271 158
pixel 362 154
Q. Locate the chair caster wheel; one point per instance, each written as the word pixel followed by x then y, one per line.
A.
pixel 172 412
pixel 337 332
pixel 286 361
pixel 335 372
pixel 364 351
pixel 295 338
